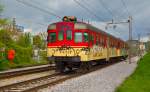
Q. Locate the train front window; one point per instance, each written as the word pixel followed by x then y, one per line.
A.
pixel 60 35
pixel 69 34
pixel 86 37
pixel 52 37
pixel 78 37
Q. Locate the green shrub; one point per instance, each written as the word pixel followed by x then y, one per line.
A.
pixel 23 51
pixel 23 55
pixel 4 65
pixel 43 55
pixel 1 45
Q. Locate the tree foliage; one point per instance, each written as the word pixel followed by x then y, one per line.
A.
pixel 37 41
pixel 1 8
pixel 2 21
pixel 148 46
pixel 24 40
pixel 5 37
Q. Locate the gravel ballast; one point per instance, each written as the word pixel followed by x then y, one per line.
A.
pixel 103 80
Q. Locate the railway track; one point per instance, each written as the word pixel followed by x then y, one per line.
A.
pixel 34 85
pixel 23 71
pixel 28 85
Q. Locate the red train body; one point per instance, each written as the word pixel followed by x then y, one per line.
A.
pixel 73 43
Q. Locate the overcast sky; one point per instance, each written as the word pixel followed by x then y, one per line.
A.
pixel 106 10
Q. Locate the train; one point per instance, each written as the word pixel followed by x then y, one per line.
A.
pixel 74 44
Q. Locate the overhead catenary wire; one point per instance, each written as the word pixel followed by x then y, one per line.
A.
pixel 40 9
pixel 106 8
pixel 124 4
pixel 109 10
pixel 89 5
pixel 27 20
pixel 88 10
pixel 38 3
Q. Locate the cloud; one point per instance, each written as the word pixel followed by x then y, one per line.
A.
pixel 33 18
pixel 144 39
pixel 27 30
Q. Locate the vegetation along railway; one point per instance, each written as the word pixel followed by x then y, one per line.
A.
pixel 73 44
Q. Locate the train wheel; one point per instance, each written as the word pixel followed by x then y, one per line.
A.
pixel 60 66
pixel 68 69
pixel 89 65
pixel 85 66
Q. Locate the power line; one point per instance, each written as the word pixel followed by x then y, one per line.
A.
pixel 87 9
pixel 85 2
pixel 40 9
pixel 38 3
pixel 124 4
pixel 93 8
pixel 28 21
pixel 108 10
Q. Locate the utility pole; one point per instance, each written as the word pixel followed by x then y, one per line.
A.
pixel 148 42
pixel 139 50
pixel 148 36
pixel 88 22
pixel 129 21
pixel 130 37
pixel 14 24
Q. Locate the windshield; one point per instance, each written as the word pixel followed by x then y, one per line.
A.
pixel 52 37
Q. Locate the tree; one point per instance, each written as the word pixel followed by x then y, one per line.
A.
pixel 24 40
pixel 2 21
pixel 5 37
pixel 37 41
pixel 147 45
pixel 27 39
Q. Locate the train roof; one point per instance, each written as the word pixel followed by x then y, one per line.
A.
pixel 81 25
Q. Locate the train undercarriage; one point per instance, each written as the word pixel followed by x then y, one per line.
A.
pixel 65 64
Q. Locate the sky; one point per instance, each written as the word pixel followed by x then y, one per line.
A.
pixel 97 12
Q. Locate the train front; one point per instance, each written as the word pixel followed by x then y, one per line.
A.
pixel 65 44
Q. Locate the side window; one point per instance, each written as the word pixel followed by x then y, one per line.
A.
pixel 69 34
pixel 118 44
pixel 97 41
pixel 113 43
pixel 86 37
pixel 102 41
pixel 92 39
pixel 78 37
pixel 60 35
pixel 52 37
pixel 110 41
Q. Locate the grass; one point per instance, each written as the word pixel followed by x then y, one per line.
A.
pixel 139 81
pixel 5 65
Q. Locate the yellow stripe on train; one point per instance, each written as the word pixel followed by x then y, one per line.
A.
pixel 86 54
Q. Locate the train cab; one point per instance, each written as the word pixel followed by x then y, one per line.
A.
pixel 67 42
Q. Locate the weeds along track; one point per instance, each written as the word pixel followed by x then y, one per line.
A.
pixel 28 70
pixel 35 84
